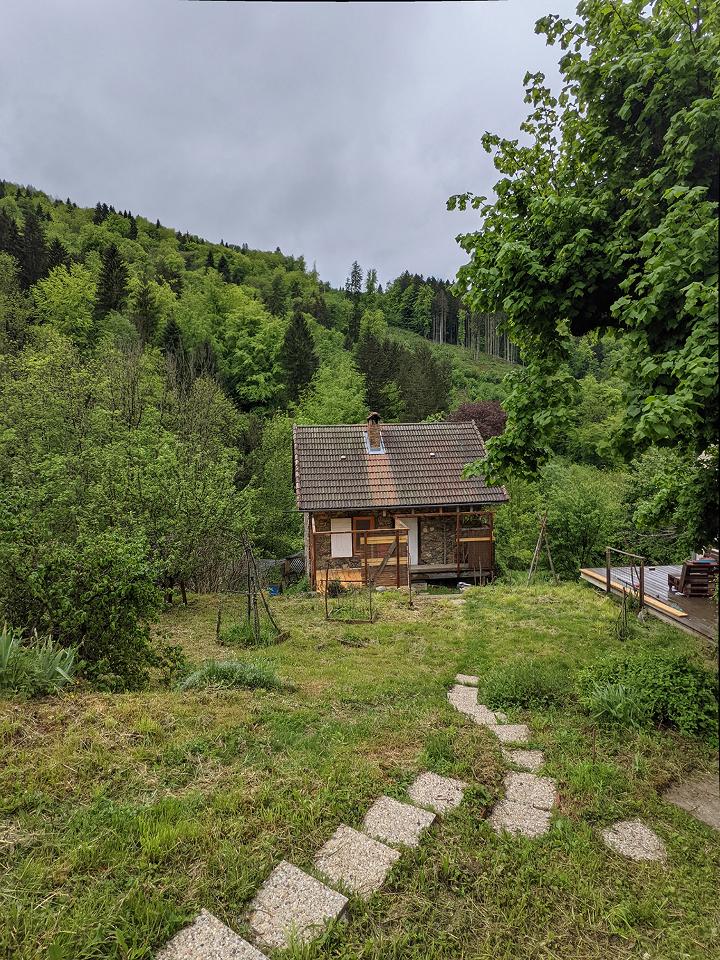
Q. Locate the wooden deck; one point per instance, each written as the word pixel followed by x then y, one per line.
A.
pixel 696 615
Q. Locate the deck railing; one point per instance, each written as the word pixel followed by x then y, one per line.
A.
pixel 640 568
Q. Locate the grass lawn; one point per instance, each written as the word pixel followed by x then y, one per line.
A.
pixel 122 815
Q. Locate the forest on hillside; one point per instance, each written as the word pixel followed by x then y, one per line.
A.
pixel 149 379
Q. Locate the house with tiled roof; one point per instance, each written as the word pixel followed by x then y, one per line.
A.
pixel 387 503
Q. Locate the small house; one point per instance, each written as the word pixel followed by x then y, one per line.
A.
pixel 386 503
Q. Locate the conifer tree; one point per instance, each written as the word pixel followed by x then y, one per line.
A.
pixel 276 295
pixel 2 188
pixel 9 236
pixel 209 260
pixel 33 251
pixel 112 288
pixel 223 268
pixel 133 231
pixel 145 313
pixel 57 255
pixel 297 355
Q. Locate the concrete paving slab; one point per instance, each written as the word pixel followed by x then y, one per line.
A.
pixel 207 938
pixel 530 789
pixel 464 699
pixel 700 796
pixel 438 793
pixel 356 861
pixel 292 906
pixel 467 680
pixel 501 717
pixel 632 839
pixel 397 823
pixel 482 715
pixel 531 760
pixel 518 818
pixel 510 732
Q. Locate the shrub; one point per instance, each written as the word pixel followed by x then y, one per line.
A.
pixel 527 683
pixel 243 635
pixel 35 668
pixel 226 674
pixel 659 688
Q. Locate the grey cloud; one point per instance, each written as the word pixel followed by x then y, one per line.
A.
pixel 333 130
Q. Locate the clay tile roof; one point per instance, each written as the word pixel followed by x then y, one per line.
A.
pixel 421 466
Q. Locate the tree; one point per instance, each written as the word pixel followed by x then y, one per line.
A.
pixel 57 255
pixel 353 289
pixel 209 260
pixel 297 355
pixel 9 236
pixel 65 299
pixel 33 251
pixel 371 281
pixel 607 219
pixel 112 289
pixel 488 415
pixel 146 312
pixel 132 229
pixel 276 296
pixel 223 268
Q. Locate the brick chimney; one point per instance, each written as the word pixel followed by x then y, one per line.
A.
pixel 373 432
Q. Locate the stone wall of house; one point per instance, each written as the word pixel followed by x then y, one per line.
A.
pixel 437 540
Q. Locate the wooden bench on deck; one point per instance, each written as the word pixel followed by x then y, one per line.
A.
pixel 696 578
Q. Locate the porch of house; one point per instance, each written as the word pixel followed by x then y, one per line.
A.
pixel 397 548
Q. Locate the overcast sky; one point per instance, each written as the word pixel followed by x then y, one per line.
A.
pixel 333 130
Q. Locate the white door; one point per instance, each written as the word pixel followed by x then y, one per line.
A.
pixel 412 526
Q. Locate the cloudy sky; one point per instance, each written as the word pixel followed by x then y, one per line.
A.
pixel 335 130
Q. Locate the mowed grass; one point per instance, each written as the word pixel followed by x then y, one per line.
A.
pixel 122 815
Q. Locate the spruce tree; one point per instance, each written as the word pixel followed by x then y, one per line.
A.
pixel 276 296
pixel 297 356
pixel 2 188
pixel 33 251
pixel 9 236
pixel 57 255
pixel 209 260
pixel 112 288
pixel 223 268
pixel 133 231
pixel 145 313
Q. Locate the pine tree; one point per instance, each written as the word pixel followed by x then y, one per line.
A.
pixel 223 268
pixel 104 211
pixel 33 251
pixel 133 231
pixel 57 255
pixel 2 188
pixel 297 356
pixel 209 260
pixel 112 288
pixel 353 288
pixel 145 313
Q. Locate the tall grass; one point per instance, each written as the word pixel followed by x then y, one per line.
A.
pixel 33 668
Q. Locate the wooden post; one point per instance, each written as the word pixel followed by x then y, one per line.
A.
pixel 327 571
pixel 642 583
pixel 607 570
pixel 366 553
pixel 457 540
pixel 397 559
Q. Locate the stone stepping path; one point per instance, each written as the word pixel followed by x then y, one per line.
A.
pixel 632 839
pixel 526 807
pixel 291 906
pixel 528 797
pixel 699 796
pixel 208 939
pixel 438 793
pixel 531 760
pixel 396 823
pixel 355 861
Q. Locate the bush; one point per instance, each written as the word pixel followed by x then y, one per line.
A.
pixel 243 635
pixel 35 668
pixel 528 683
pixel 651 688
pixel 227 674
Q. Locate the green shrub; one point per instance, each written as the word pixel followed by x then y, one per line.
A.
pixel 226 674
pixel 243 635
pixel 659 688
pixel 35 668
pixel 527 683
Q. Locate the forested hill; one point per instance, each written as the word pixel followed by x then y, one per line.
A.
pixel 149 381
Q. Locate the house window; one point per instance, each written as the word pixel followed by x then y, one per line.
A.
pixel 341 538
pixel 358 524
